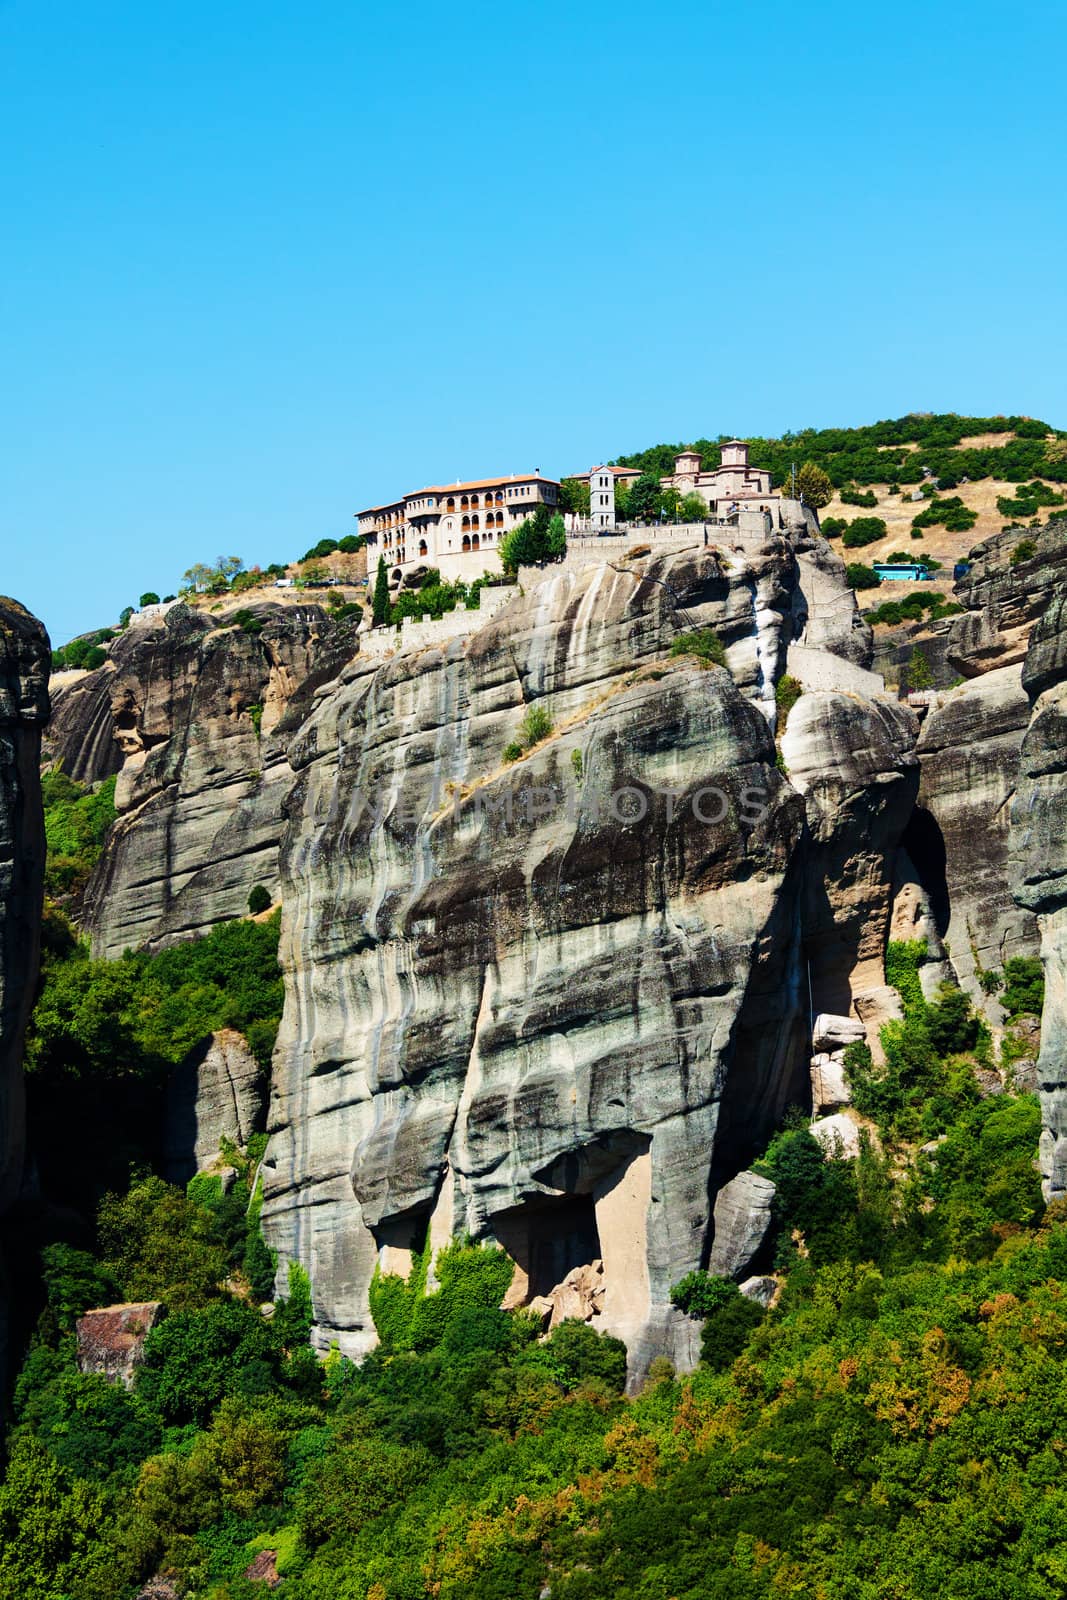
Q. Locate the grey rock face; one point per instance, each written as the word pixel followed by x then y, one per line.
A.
pixel 202 715
pixel 218 1091
pixel 826 614
pixel 1039 867
pixel 532 1018
pixel 853 760
pixel 742 1222
pixel 24 666
pixel 81 735
pixel 969 752
pixel 1004 601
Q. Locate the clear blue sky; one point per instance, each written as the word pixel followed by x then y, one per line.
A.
pixel 264 264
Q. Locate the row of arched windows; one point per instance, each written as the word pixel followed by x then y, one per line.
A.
pixel 490 521
pixel 468 502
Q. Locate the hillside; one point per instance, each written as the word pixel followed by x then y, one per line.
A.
pixel 978 460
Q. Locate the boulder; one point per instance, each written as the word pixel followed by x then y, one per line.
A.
pixel 839 1133
pixel 829 1085
pixel 218 1091
pixel 111 1340
pixel 761 1289
pixel 742 1221
pixel 580 1295
pixel 831 1033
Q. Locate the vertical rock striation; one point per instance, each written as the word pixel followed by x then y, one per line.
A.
pixel 1039 863
pixel 552 1003
pixel 24 666
pixel 202 714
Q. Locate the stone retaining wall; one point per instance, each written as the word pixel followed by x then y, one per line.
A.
pixel 414 634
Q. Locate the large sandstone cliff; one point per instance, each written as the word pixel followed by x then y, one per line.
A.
pixel 24 664
pixel 560 1002
pixel 195 716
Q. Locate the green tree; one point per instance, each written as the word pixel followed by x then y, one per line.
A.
pixel 556 539
pixel 51 1526
pixel 694 507
pixel 159 1245
pixel 258 899
pixel 380 608
pixel 574 496
pixel 919 675
pixel 149 598
pixel 644 498
pixel 814 486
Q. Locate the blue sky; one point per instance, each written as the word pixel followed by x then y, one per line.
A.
pixel 263 265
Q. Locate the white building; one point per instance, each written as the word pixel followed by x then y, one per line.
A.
pixel 601 497
pixel 732 485
pixel 456 528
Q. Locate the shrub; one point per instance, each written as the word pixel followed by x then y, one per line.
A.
pixel 351 543
pixel 511 752
pixel 1025 550
pixel 258 899
pixel 787 692
pixel 856 497
pixel 704 643
pixel 727 1331
pixel 535 726
pixel 919 675
pixel 860 577
pixel 248 622
pixel 1024 986
pixel 864 530
pixel 952 514
pixel 832 526
pixel 149 598
pixel 318 552
pixel 699 1294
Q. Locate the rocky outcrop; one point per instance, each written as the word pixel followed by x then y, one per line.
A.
pixel 1039 866
pixel 1003 599
pixel 81 736
pixel 853 759
pixel 826 615
pixel 969 752
pixel 218 1092
pixel 111 1340
pixel 540 1002
pixel 202 714
pixel 24 665
pixel 742 1223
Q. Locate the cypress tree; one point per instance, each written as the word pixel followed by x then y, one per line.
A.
pixel 381 604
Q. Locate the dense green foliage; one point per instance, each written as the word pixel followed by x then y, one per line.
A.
pixel 863 530
pixel 541 537
pixel 879 453
pixel 76 822
pixel 917 605
pixel 704 644
pixel 859 576
pixel 952 514
pixel 85 652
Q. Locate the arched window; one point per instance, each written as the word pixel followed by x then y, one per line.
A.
pixel 474 520
pixel 500 519
pixel 475 542
pixel 464 503
pixel 397 575
pixel 450 504
pixel 474 499
pixel 466 541
pixel 466 522
pixel 500 497
pixel 422 547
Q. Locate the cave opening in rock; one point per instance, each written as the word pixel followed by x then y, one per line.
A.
pixel 925 844
pixel 547 1238
pixel 400 1239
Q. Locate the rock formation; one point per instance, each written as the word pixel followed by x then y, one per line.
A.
pixel 533 1001
pixel 111 1340
pixel 1039 865
pixel 969 753
pixel 24 665
pixel 201 714
pixel 218 1092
